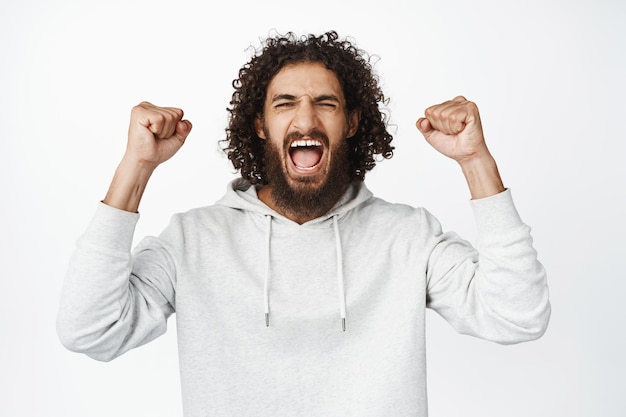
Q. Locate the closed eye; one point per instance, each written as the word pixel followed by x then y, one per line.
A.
pixel 327 101
pixel 284 104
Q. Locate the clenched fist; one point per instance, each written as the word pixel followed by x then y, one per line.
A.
pixel 454 129
pixel 155 133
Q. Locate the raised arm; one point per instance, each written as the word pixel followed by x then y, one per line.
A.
pixel 113 301
pixel 497 291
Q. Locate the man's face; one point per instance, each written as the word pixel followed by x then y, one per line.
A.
pixel 306 125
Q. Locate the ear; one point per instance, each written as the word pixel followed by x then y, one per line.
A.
pixel 258 126
pixel 353 122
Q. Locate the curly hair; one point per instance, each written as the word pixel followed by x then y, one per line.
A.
pixel 360 87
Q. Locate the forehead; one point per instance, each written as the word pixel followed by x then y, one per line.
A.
pixel 305 78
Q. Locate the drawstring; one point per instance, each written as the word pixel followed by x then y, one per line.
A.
pixel 266 294
pixel 340 281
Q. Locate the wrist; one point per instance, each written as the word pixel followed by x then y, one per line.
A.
pixel 482 176
pixel 128 184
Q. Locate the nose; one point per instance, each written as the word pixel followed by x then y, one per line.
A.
pixel 305 119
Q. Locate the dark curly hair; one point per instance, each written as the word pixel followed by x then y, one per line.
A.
pixel 360 87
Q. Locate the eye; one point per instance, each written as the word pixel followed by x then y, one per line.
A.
pixel 284 104
pixel 327 104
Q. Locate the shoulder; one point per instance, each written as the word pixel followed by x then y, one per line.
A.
pixel 398 216
pixel 381 207
pixel 211 217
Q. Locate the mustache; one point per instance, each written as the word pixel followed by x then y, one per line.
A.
pixel 314 134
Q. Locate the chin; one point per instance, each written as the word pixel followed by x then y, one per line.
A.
pixel 313 190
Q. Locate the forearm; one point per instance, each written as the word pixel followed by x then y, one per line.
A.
pixel 128 184
pixel 482 176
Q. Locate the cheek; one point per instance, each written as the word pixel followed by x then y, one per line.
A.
pixel 337 127
pixel 277 127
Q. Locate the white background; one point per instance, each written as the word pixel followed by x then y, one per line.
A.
pixel 548 77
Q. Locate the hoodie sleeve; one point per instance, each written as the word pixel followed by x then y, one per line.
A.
pixel 497 291
pixel 113 301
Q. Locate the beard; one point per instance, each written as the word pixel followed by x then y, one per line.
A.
pixel 302 195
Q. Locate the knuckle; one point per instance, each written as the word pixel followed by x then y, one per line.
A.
pixel 471 107
pixel 141 107
pixel 144 105
pixel 431 111
pixel 136 109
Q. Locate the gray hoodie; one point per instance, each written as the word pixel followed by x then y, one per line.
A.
pixel 320 319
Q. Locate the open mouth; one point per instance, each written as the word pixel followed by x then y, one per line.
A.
pixel 306 154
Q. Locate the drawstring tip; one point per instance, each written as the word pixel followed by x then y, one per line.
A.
pixel 267 319
pixel 343 324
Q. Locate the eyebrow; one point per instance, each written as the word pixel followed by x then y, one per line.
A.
pixel 325 97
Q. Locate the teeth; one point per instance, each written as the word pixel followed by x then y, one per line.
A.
pixel 305 143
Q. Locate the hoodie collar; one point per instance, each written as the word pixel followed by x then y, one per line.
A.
pixel 240 194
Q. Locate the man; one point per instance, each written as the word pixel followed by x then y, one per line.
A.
pixel 299 293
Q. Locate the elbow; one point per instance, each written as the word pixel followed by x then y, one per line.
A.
pixel 68 332
pixel 79 339
pixel 541 325
pixel 531 330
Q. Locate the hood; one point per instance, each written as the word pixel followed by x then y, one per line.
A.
pixel 242 195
